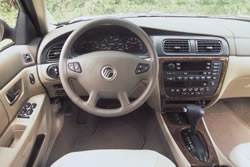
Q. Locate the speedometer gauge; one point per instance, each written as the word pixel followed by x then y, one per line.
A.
pixel 134 45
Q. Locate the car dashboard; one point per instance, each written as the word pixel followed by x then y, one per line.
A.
pixel 194 55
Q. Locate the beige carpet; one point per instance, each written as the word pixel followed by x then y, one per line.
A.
pixel 138 130
pixel 227 129
pixel 241 108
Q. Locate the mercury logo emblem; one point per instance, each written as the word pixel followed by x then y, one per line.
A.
pixel 108 72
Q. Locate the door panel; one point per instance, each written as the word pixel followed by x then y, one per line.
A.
pixel 18 139
pixel 26 87
pixel 12 62
pixel 3 118
pixel 19 84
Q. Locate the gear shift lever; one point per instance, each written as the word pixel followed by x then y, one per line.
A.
pixel 194 114
pixel 192 138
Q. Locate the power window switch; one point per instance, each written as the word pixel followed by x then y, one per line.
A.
pixel 23 116
pixel 33 105
pixel 29 112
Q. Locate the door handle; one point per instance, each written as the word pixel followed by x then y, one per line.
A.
pixel 12 96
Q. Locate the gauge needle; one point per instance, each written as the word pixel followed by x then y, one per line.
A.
pixel 130 47
pixel 106 48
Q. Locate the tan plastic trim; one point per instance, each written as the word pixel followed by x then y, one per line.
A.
pixel 18 152
pixel 236 79
pixel 222 158
pixel 41 8
pixel 27 90
pixel 227 29
pixel 12 62
pixel 51 126
pixel 4 120
pixel 178 155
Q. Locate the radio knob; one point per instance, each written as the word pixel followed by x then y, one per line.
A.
pixel 171 66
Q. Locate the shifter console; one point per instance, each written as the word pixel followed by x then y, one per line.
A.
pixel 192 138
pixel 195 144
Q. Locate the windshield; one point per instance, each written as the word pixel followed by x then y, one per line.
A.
pixel 64 10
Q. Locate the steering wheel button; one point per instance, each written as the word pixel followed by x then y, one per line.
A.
pixel 71 66
pixel 141 68
pixel 77 67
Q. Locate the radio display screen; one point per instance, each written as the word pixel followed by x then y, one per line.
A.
pixel 188 66
pixel 194 66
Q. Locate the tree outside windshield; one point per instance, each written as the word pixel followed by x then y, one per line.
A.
pixel 63 10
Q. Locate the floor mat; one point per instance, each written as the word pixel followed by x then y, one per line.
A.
pixel 138 130
pixel 111 134
pixel 226 129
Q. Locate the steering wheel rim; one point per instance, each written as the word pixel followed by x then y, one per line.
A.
pixel 65 73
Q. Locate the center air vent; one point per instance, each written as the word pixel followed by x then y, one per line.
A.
pixel 208 46
pixel 176 46
pixel 55 51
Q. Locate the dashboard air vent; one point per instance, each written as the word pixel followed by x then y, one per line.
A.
pixel 209 46
pixel 176 46
pixel 55 51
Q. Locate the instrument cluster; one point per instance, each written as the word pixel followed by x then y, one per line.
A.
pixel 123 42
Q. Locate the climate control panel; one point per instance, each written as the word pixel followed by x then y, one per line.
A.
pixel 191 78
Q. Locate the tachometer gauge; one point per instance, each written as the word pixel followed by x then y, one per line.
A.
pixel 134 45
pixel 112 42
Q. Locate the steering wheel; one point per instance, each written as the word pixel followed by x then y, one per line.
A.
pixel 108 74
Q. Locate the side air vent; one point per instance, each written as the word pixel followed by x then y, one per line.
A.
pixel 176 46
pixel 54 52
pixel 209 46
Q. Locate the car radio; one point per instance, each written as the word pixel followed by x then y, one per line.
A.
pixel 191 78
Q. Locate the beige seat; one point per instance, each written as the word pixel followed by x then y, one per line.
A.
pixel 114 158
pixel 240 155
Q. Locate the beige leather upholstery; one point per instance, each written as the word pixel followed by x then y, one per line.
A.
pixel 114 158
pixel 240 155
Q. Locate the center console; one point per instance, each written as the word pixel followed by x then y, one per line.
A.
pixel 192 71
pixel 191 78
pixel 195 80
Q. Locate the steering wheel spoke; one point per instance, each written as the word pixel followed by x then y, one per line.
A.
pixel 93 98
pixel 123 98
